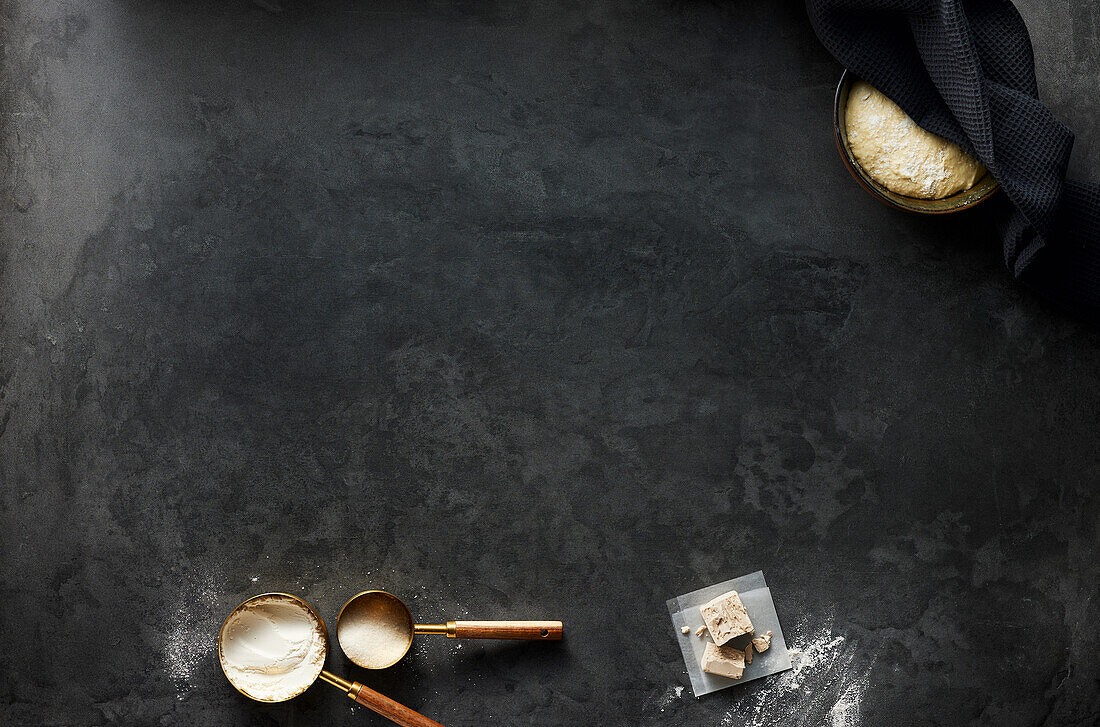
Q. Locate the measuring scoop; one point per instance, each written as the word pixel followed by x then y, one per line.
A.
pixel 375 629
pixel 272 647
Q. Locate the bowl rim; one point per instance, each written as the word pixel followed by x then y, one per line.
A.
pixel 982 190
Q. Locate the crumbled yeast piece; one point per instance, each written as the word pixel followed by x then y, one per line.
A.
pixel 762 643
pixel 699 631
pixel 685 629
pixel 726 617
pixel 724 661
pixel 748 653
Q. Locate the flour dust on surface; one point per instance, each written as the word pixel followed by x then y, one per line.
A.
pixel 191 632
pixel 825 686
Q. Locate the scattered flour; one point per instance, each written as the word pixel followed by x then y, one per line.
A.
pixel 671 695
pixel 845 713
pixel 192 631
pixel 824 687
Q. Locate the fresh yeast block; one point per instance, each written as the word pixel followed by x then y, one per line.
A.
pixel 724 661
pixel 726 617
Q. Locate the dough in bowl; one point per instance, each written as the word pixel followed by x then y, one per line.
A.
pixel 900 155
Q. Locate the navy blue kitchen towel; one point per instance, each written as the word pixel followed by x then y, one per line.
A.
pixel 965 71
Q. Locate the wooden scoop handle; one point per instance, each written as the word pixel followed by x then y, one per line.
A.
pixel 524 630
pixel 391 710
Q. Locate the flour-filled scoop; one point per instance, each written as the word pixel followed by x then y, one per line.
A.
pixel 272 648
pixel 375 629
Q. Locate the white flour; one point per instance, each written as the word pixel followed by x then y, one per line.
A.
pixel 821 688
pixel 845 713
pixel 192 633
pixel 273 648
pixel 671 695
pixel 369 638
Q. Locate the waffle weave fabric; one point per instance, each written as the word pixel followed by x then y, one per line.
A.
pixel 965 71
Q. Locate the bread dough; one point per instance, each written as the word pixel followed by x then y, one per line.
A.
pixel 900 155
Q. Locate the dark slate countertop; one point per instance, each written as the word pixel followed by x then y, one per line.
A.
pixel 534 310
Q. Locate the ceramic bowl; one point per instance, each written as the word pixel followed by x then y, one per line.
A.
pixel 983 190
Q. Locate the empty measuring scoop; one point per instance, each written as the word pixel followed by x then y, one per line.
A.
pixel 375 629
pixel 272 648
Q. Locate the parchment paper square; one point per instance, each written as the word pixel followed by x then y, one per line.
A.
pixel 757 598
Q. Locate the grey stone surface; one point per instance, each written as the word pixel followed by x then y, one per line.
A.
pixel 547 310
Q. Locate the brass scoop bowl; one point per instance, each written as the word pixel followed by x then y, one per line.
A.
pixel 375 629
pixel 383 705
